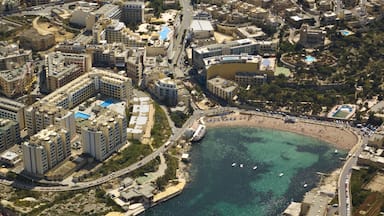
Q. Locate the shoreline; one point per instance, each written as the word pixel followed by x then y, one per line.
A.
pixel 336 136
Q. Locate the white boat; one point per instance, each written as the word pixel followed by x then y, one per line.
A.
pixel 281 174
pixel 336 151
pixel 233 164
pixel 255 167
pixel 241 165
pixel 199 133
pixel 305 185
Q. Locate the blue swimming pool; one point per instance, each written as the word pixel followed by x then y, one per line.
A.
pixel 164 33
pixel 82 115
pixel 345 32
pixel 106 103
pixel 309 59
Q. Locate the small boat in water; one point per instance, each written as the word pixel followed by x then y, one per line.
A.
pixel 255 167
pixel 233 164
pixel 336 151
pixel 241 165
pixel 305 185
pixel 281 174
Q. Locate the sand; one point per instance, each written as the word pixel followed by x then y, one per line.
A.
pixel 338 136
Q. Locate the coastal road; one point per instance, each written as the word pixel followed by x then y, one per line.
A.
pixel 177 134
pixel 344 193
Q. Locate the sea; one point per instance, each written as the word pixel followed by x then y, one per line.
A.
pixel 285 163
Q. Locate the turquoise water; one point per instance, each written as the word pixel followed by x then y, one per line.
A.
pixel 218 189
pixel 345 32
pixel 106 103
pixel 164 33
pixel 82 115
pixel 310 59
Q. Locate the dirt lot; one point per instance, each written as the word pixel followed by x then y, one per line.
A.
pixel 45 28
pixel 377 183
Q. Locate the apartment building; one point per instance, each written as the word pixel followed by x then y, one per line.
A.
pixel 9 133
pixel 111 11
pixel 222 88
pixel 133 12
pixel 39 116
pixel 65 67
pixel 109 55
pixel 237 47
pixel 10 109
pixel 116 31
pixel 104 135
pixel 134 65
pixel 166 90
pixel 11 56
pixel 46 150
pixel 14 81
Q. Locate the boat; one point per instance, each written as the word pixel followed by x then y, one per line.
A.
pixel 199 133
pixel 305 185
pixel 233 164
pixel 255 167
pixel 281 174
pixel 336 151
pixel 241 165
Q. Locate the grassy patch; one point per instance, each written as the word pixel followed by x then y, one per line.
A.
pixel 128 156
pixel 170 172
pixel 161 130
pixel 358 180
pixel 179 118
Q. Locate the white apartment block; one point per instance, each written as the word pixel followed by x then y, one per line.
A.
pixel 166 90
pixel 40 116
pixel 104 135
pixel 117 32
pixel 46 150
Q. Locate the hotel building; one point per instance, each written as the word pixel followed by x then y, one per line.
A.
pixel 247 69
pixel 248 46
pixel 104 135
pixel 133 12
pixel 74 93
pixel 222 88
pixel 46 150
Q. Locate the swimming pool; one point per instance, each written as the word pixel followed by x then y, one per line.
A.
pixel 106 103
pixel 164 33
pixel 309 59
pixel 82 115
pixel 343 111
pixel 345 32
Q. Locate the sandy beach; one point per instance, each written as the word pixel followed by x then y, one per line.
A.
pixel 339 136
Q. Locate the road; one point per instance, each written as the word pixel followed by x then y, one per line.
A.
pixel 345 199
pixel 178 45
